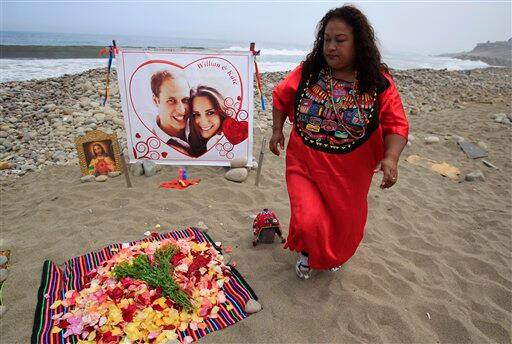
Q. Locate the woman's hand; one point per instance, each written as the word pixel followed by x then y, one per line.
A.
pixel 389 167
pixel 276 140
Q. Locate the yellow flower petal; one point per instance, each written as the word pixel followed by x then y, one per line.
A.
pixel 56 304
pixel 132 331
pixel 115 316
pixel 91 336
pixel 56 329
pixel 183 326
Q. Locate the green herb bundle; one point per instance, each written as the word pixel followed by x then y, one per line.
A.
pixel 156 274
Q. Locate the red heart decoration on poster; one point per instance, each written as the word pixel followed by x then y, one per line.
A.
pixel 235 131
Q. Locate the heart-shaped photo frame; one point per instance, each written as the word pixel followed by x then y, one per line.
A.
pixel 191 107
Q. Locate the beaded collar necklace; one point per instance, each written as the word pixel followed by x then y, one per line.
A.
pixel 339 114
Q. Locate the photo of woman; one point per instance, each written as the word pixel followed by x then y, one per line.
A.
pixel 207 113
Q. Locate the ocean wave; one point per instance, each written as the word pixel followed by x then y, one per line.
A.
pixel 417 61
pixel 268 67
pixel 28 69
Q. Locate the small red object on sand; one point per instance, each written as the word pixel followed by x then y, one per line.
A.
pixel 179 183
pixel 265 227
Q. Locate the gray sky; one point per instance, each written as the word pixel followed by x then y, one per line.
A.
pixel 424 27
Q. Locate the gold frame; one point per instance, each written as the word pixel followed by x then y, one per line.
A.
pixel 97 135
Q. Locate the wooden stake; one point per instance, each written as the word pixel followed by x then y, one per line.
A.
pixel 260 161
pixel 125 171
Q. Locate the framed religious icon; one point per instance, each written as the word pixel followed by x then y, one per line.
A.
pixel 98 153
pixel 187 107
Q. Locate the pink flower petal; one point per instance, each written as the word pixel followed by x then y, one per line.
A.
pixel 56 316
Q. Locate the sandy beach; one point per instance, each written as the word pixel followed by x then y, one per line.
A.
pixel 434 265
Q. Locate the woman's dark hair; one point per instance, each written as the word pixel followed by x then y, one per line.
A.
pixel 196 141
pixel 368 62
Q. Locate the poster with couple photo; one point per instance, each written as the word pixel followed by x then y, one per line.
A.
pixel 186 107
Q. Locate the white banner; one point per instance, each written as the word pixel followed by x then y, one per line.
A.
pixel 187 107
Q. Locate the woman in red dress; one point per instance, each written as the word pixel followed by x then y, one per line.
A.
pixel 348 123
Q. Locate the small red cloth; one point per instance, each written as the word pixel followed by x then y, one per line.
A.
pixel 179 184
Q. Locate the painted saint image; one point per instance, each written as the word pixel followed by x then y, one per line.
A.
pixel 99 156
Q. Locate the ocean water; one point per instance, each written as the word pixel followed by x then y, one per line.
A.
pixel 273 56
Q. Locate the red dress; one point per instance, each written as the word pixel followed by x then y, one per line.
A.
pixel 328 191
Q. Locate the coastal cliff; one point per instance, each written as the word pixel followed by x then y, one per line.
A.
pixel 494 53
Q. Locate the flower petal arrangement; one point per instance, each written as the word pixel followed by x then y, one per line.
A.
pixel 172 286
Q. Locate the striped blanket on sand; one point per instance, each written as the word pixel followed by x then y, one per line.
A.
pixel 57 280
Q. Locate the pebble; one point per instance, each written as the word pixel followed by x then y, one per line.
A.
pixel 101 178
pixel 100 117
pixel 3 259
pixel 252 306
pixel 457 138
pixel 59 155
pixel 238 162
pixel 87 178
pixel 475 176
pixel 114 174
pixel 482 145
pixel 149 168
pixel 506 120
pixel 3 309
pixel 4 273
pixel 201 226
pixel 411 137
pixel 118 121
pixel 498 115
pixel 136 168
pixel 431 139
pixel 3 134
pixel 29 168
pixel 237 174
pixel 90 120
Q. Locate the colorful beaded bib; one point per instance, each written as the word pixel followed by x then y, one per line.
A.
pixel 332 116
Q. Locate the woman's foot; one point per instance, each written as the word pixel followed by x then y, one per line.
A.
pixel 302 268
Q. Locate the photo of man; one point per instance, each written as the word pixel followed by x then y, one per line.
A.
pixel 171 92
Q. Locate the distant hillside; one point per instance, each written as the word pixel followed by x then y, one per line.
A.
pixel 495 53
